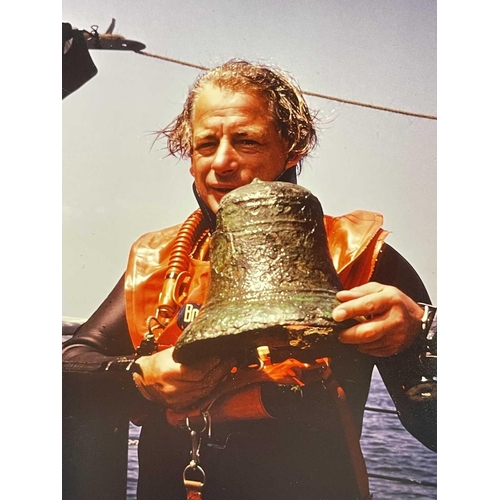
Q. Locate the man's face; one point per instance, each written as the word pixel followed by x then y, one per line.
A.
pixel 234 141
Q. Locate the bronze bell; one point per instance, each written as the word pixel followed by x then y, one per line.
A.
pixel 272 280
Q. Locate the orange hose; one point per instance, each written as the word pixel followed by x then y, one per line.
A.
pixel 177 277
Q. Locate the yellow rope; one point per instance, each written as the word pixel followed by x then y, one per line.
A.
pixel 172 60
pixel 305 92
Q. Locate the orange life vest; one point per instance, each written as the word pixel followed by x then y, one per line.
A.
pixel 354 241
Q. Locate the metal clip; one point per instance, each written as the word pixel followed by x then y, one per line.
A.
pixel 194 483
pixel 198 481
pixel 109 40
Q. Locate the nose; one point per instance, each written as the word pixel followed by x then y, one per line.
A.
pixel 225 160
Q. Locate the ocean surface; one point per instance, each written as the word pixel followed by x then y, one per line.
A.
pixel 388 448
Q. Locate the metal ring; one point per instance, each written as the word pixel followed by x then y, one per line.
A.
pixel 205 423
pixel 195 467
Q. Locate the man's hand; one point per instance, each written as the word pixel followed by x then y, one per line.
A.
pixel 178 386
pixel 393 318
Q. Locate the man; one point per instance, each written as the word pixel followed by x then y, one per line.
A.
pixel 243 121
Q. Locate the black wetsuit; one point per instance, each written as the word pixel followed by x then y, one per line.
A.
pixel 299 455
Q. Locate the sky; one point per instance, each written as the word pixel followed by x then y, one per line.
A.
pixel 118 184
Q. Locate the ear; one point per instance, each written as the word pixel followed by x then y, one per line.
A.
pixel 191 169
pixel 293 159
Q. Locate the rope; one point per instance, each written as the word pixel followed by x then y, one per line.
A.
pixel 372 106
pixel 176 61
pixel 305 92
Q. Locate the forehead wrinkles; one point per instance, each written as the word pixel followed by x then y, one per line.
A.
pixel 235 105
pixel 240 125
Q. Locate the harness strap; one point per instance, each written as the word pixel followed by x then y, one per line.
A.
pixel 349 431
pixel 193 490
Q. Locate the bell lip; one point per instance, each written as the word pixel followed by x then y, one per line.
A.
pixel 295 335
pixel 305 345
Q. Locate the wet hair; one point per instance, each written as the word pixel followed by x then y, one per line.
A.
pixel 294 121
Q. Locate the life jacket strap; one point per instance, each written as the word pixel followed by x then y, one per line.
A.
pixel 352 440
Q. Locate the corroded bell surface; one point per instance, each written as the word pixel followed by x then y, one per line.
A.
pixel 272 280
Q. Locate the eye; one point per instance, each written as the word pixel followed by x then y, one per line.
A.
pixel 206 148
pixel 203 145
pixel 247 144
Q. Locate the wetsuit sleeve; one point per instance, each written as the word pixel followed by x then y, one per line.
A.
pixel 97 404
pixel 90 356
pixel 404 371
pixel 104 335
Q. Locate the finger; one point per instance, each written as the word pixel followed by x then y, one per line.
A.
pixel 362 333
pixel 374 343
pixel 197 372
pixel 164 363
pixel 360 291
pixel 189 392
pixel 367 305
